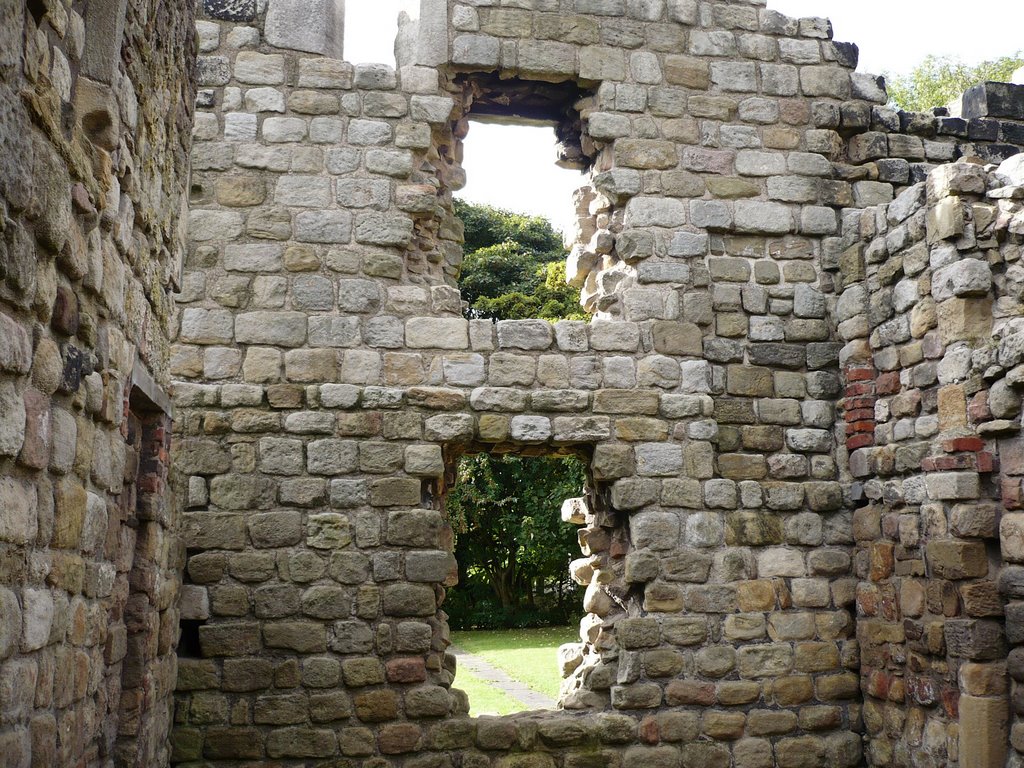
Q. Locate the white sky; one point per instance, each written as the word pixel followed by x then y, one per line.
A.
pixel 514 168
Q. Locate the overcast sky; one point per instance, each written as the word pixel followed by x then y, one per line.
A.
pixel 514 168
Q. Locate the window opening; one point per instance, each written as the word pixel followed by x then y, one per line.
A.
pixel 371 27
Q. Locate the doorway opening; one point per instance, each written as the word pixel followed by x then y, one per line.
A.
pixel 512 612
pixel 534 540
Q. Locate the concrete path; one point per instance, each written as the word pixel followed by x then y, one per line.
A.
pixel 529 698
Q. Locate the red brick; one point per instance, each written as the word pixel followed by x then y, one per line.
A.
pixel 987 462
pixel 860 426
pixel 963 444
pixel 864 388
pixel 860 414
pixel 859 441
pixel 854 403
pixel 960 461
pixel 860 374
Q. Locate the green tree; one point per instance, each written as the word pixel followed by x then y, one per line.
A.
pixel 511 544
pixel 513 267
pixel 512 547
pixel 938 80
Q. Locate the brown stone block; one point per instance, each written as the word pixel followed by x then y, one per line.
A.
pixel 240 191
pixel 689 692
pixel 724 726
pixel 395 492
pixel 301 742
pixel 638 428
pixel 881 560
pixel 663 598
pixel 749 381
pixel 975 639
pixel 770 722
pixel 841 686
pixel 300 636
pixel 399 738
pixel 800 752
pixel 356 742
pixel 688 71
pixel 752 753
pixel 755 595
pixel 981 599
pixel 672 337
pixel 957 558
pixel 820 718
pixel 69 513
pixel 762 438
pixel 752 529
pixel 233 743
pixel 742 466
pixel 965 320
pixel 984 731
pixel 377 706
pixel 984 679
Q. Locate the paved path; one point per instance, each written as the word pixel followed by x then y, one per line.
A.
pixel 529 698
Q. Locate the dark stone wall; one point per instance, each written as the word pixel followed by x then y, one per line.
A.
pixel 96 104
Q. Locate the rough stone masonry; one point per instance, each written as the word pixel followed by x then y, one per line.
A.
pixel 802 538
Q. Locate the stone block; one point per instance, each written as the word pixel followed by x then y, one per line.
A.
pixel 436 333
pixel 953 485
pixel 984 731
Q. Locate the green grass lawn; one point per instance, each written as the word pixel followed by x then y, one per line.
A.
pixel 527 655
pixel 484 698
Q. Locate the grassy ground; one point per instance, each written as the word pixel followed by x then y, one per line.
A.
pixel 527 655
pixel 484 698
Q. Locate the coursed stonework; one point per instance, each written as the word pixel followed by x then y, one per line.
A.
pixel 797 400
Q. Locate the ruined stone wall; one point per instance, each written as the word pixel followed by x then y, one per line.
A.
pixel 96 103
pixel 930 312
pixel 801 526
pixel 327 384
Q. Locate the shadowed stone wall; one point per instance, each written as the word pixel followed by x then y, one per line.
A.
pixel 96 106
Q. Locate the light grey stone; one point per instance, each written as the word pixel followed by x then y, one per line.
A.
pixel 659 459
pixel 285 329
pixel 323 226
pixel 437 333
pixel 524 334
pixel 314 26
pixel 531 429
pixel 37 618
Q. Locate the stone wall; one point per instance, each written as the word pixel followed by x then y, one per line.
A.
pixel 930 312
pixel 95 117
pixel 797 400
pixel 736 610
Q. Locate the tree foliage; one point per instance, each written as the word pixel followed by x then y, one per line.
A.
pixel 512 547
pixel 511 544
pixel 513 267
pixel 938 80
